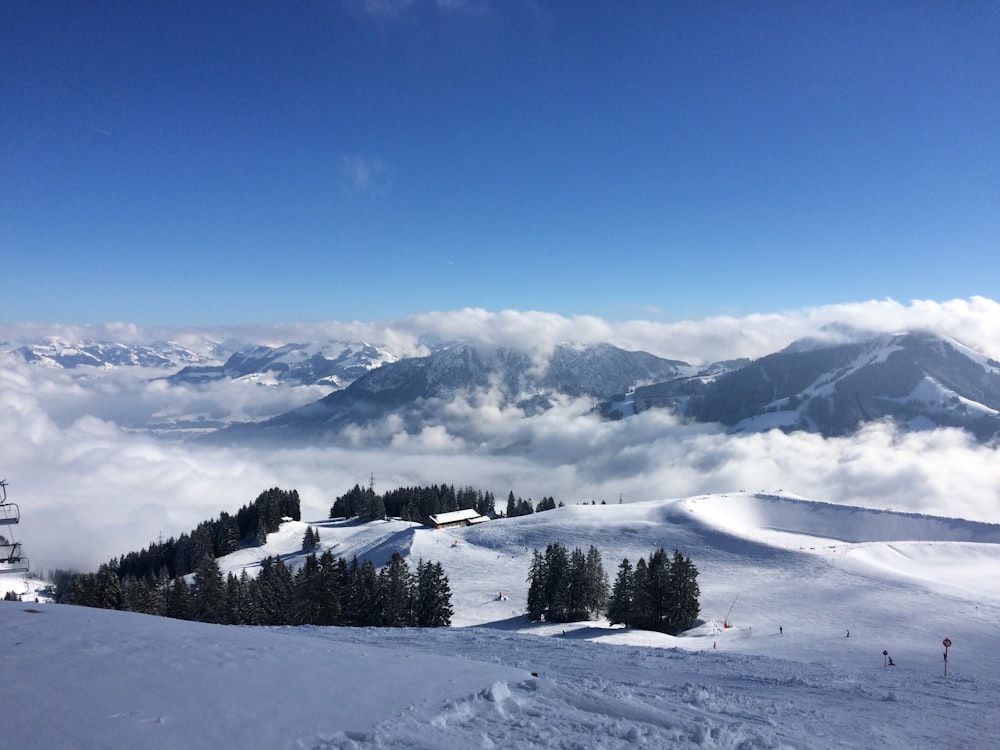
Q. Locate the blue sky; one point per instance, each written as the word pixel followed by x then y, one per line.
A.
pixel 175 163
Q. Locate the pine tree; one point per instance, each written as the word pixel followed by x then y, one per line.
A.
pixel 537 602
pixel 576 587
pixel 682 584
pixel 433 600
pixel 109 592
pixel 317 592
pixel 329 590
pixel 557 590
pixel 240 609
pixel 178 600
pixel 642 607
pixel 208 595
pixel 596 591
pixel 657 590
pixel 365 596
pixel 276 588
pixel 621 603
pixel 665 594
pixel 396 594
pixel 310 539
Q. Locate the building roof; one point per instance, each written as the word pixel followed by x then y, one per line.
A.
pixel 457 516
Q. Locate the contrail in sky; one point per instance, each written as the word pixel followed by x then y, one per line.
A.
pixel 99 130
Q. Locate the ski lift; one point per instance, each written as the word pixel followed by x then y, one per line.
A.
pixel 11 559
pixel 9 512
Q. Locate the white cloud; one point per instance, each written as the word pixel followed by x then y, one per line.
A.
pixel 366 174
pixel 975 321
pixel 91 485
pixel 391 10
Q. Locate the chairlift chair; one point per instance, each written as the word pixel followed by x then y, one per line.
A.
pixel 11 559
pixel 9 512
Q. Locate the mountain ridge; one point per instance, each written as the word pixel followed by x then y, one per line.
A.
pixel 831 384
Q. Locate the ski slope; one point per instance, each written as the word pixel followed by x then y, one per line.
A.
pixel 898 582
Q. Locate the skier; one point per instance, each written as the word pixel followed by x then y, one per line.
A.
pixel 848 633
pixel 891 662
pixel 780 630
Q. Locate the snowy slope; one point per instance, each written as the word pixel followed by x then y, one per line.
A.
pixel 899 582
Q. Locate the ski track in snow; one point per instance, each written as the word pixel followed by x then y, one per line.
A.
pixel 80 678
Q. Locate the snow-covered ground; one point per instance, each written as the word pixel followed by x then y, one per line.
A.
pixel 792 576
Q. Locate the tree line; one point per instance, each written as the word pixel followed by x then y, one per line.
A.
pixel 661 594
pixel 418 504
pixel 410 503
pixel 324 591
pixel 228 533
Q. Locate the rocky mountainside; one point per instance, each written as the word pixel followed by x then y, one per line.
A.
pixel 415 389
pixel 917 379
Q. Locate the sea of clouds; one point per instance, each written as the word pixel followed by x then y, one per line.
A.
pixel 93 482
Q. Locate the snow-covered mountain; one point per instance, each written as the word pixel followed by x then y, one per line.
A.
pixel 792 577
pixel 832 383
pixel 58 352
pixel 415 389
pixel 336 364
pixel 918 379
pixel 331 363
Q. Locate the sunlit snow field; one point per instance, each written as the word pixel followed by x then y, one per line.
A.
pixel 79 678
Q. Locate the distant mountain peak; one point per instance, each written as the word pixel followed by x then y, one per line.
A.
pixel 917 379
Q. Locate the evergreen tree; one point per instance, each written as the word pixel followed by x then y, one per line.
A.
pixel 240 609
pixel 364 611
pixel 682 584
pixel 642 616
pixel 310 539
pixel 433 600
pixel 576 587
pixel 665 595
pixel 277 589
pixel 306 599
pixel 331 582
pixel 396 594
pixel 621 602
pixel 595 597
pixel 227 535
pixel 657 591
pixel 537 601
pixel 178 600
pixel 546 503
pixel 141 595
pixel 557 592
pixel 109 592
pixel 208 595
pixel 317 592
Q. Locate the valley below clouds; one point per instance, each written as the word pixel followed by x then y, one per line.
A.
pixel 95 479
